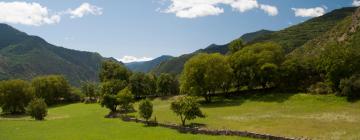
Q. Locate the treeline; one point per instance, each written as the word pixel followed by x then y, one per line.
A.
pixel 119 86
pixel 19 96
pixel 265 65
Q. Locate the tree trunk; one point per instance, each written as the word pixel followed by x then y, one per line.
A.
pixel 183 119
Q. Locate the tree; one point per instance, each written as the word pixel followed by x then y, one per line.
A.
pixel 37 109
pixel 109 101
pixel 247 63
pixel 204 74
pixel 339 62
pixel 89 89
pixel 167 85
pixel 142 85
pixel 112 70
pixel 145 109
pixel 235 46
pixel 51 88
pixel 125 99
pixel 350 87
pixel 268 74
pixel 187 108
pixel 14 96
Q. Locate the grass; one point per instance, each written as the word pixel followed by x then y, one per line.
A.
pixel 87 122
pixel 292 115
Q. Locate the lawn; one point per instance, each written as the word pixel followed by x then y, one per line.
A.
pixel 292 115
pixel 87 122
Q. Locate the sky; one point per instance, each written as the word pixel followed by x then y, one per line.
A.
pixel 137 30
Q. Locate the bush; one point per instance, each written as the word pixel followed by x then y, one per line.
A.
pixel 187 108
pixel 320 88
pixel 145 109
pixel 350 87
pixel 37 109
pixel 14 96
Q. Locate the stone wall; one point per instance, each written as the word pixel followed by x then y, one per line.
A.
pixel 195 130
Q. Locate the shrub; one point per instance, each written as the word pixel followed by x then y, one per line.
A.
pixel 350 87
pixel 14 96
pixel 320 88
pixel 37 109
pixel 187 108
pixel 145 109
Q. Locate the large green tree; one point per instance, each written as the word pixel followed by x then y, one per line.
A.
pixel 204 74
pixel 145 109
pixel 112 70
pixel 142 84
pixel 167 84
pixel 14 96
pixel 251 62
pixel 52 88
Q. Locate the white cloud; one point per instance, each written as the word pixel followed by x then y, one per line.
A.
pixel 85 9
pixel 310 12
pixel 356 3
pixel 201 8
pixel 35 14
pixel 270 10
pixel 244 5
pixel 26 13
pixel 128 59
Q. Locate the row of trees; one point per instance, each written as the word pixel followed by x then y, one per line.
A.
pixel 19 96
pixel 265 65
pixel 117 80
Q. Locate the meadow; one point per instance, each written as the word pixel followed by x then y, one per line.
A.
pixel 86 122
pixel 292 115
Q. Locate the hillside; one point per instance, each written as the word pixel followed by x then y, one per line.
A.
pixel 146 66
pixel 176 64
pixel 23 56
pixel 290 38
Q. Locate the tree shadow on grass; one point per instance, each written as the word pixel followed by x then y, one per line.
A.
pixel 13 116
pixel 240 98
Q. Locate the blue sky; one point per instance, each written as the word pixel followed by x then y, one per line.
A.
pixel 150 28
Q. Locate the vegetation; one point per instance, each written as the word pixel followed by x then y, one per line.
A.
pixel 204 74
pixel 142 84
pixel 14 96
pixel 51 88
pixel 187 108
pixel 125 99
pixel 37 109
pixel 145 109
pixel 167 84
pixel 89 89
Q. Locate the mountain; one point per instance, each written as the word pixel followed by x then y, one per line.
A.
pixel 296 36
pixel 147 66
pixel 24 56
pixel 289 38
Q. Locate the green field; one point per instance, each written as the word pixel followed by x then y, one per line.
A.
pixel 292 115
pixel 87 122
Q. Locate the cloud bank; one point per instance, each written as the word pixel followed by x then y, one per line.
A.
pixel 202 8
pixel 34 14
pixel 129 59
pixel 310 12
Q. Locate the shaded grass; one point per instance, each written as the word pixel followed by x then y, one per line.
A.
pixel 87 122
pixel 292 115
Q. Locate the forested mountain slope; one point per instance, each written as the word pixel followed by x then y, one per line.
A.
pixel 290 38
pixel 23 56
